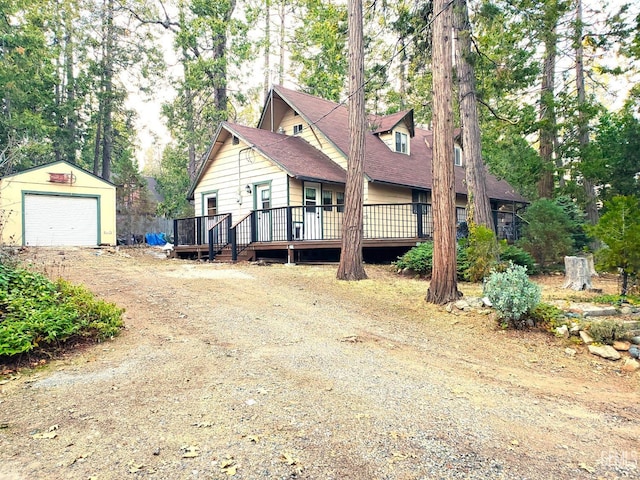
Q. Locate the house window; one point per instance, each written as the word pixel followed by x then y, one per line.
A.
pixel 340 202
pixel 235 140
pixel 327 200
pixel 297 129
pixel 401 142
pixel 418 196
pixel 457 156
pixel 212 206
pixel 265 198
pixel 461 215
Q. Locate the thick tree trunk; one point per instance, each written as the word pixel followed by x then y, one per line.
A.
pixel 547 107
pixel 282 42
pixel 351 266
pixel 444 285
pixel 591 206
pixel 478 201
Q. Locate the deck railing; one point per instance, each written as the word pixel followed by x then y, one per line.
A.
pixel 317 222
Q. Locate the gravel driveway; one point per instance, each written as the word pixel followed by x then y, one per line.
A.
pixel 282 372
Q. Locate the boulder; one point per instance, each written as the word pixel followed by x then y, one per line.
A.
pixel 621 346
pixel 586 338
pixel 604 351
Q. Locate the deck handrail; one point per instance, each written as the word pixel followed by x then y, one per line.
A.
pixel 323 222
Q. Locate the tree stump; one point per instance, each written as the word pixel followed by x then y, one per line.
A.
pixel 577 273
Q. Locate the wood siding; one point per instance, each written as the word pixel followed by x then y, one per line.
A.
pixel 235 167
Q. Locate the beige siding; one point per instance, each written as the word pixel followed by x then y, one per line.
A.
pixel 390 138
pixel 377 193
pixel 234 168
pixel 14 187
pixel 313 136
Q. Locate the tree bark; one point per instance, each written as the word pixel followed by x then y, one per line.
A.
pixel 547 102
pixel 267 49
pixel 479 207
pixel 107 112
pixel 351 266
pixel 591 206
pixel 444 284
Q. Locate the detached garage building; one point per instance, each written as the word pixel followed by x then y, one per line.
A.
pixel 57 204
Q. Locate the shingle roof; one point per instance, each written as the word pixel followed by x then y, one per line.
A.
pixel 381 164
pixel 293 154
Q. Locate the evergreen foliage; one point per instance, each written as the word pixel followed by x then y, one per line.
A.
pixel 619 231
pixel 39 314
pixel 546 232
pixel 512 294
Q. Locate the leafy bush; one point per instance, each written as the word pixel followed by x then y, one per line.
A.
pixel 619 231
pixel 547 315
pixel 546 232
pixel 607 331
pixel 419 259
pixel 482 252
pixel 36 313
pixel 518 256
pixel 512 294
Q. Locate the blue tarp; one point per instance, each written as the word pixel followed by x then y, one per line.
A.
pixel 156 239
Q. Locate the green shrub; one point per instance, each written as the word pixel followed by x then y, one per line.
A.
pixel 546 315
pixel 518 256
pixel 546 232
pixel 512 294
pixel 482 252
pixel 37 313
pixel 607 331
pixel 419 259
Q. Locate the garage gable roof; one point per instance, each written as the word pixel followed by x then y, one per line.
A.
pixel 61 163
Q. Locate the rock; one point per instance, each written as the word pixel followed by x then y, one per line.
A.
pixel 570 352
pixel 562 331
pixel 475 302
pixel 621 346
pixel 599 311
pixel 626 310
pixel 630 365
pixel 487 302
pixel 634 351
pixel 449 307
pixel 604 351
pixel 586 338
pixel 575 328
pixel 461 304
pixel 635 340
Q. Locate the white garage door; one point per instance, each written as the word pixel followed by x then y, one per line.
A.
pixel 51 220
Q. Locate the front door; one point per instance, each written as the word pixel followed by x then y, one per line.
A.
pixel 312 212
pixel 263 206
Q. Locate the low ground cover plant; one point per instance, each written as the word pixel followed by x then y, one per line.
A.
pixel 38 314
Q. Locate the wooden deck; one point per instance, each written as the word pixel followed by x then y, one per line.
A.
pixel 297 251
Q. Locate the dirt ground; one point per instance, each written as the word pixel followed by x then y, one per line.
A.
pixel 279 372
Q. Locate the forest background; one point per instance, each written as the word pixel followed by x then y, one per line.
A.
pixel 556 84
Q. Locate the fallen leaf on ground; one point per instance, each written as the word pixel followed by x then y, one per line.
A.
pixel 230 470
pixel 135 468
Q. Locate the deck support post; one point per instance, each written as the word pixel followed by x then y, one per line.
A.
pixel 234 245
pixel 175 233
pixel 420 226
pixel 211 245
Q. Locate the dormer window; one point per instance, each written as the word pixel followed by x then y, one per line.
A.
pixel 457 156
pixel 297 129
pixel 402 143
